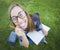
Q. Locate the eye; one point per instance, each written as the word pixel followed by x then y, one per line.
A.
pixel 21 14
pixel 14 18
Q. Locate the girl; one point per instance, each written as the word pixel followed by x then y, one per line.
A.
pixel 23 23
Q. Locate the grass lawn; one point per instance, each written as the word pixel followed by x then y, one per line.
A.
pixel 49 11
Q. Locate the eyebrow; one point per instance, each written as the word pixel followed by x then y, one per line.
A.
pixel 20 13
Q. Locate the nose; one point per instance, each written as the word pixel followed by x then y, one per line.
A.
pixel 20 20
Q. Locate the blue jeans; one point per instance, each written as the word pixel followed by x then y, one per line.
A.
pixel 13 37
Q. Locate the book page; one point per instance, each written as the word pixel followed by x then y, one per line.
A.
pixel 35 36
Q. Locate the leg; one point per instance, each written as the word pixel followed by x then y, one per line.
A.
pixel 12 38
pixel 44 40
pixel 20 40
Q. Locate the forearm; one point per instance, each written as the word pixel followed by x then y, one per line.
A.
pixel 19 33
pixel 44 31
pixel 25 42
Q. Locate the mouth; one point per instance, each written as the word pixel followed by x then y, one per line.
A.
pixel 23 23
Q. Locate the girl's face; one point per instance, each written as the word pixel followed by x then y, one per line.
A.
pixel 19 17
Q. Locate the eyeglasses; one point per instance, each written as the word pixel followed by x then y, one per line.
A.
pixel 21 15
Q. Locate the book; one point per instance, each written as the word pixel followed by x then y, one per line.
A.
pixel 37 36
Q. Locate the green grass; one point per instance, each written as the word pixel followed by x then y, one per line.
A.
pixel 49 11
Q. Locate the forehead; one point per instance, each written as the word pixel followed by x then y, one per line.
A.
pixel 16 10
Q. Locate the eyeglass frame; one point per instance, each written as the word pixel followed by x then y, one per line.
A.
pixel 16 17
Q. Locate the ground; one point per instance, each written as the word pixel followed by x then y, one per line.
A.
pixel 49 11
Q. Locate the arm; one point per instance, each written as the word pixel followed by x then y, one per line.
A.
pixel 19 33
pixel 44 31
pixel 25 42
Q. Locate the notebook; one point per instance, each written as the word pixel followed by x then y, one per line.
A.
pixel 35 36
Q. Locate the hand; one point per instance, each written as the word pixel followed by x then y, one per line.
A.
pixel 19 32
pixel 44 31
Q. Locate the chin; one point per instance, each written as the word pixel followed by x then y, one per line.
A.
pixel 24 27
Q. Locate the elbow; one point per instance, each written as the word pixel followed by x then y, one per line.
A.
pixel 27 45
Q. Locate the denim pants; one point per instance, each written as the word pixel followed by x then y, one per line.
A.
pixel 13 37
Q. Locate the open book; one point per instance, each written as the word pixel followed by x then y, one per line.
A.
pixel 36 37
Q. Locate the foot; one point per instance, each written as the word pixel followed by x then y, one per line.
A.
pixel 45 42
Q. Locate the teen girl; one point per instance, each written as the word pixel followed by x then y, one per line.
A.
pixel 23 23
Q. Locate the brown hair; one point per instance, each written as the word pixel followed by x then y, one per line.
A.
pixel 30 21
